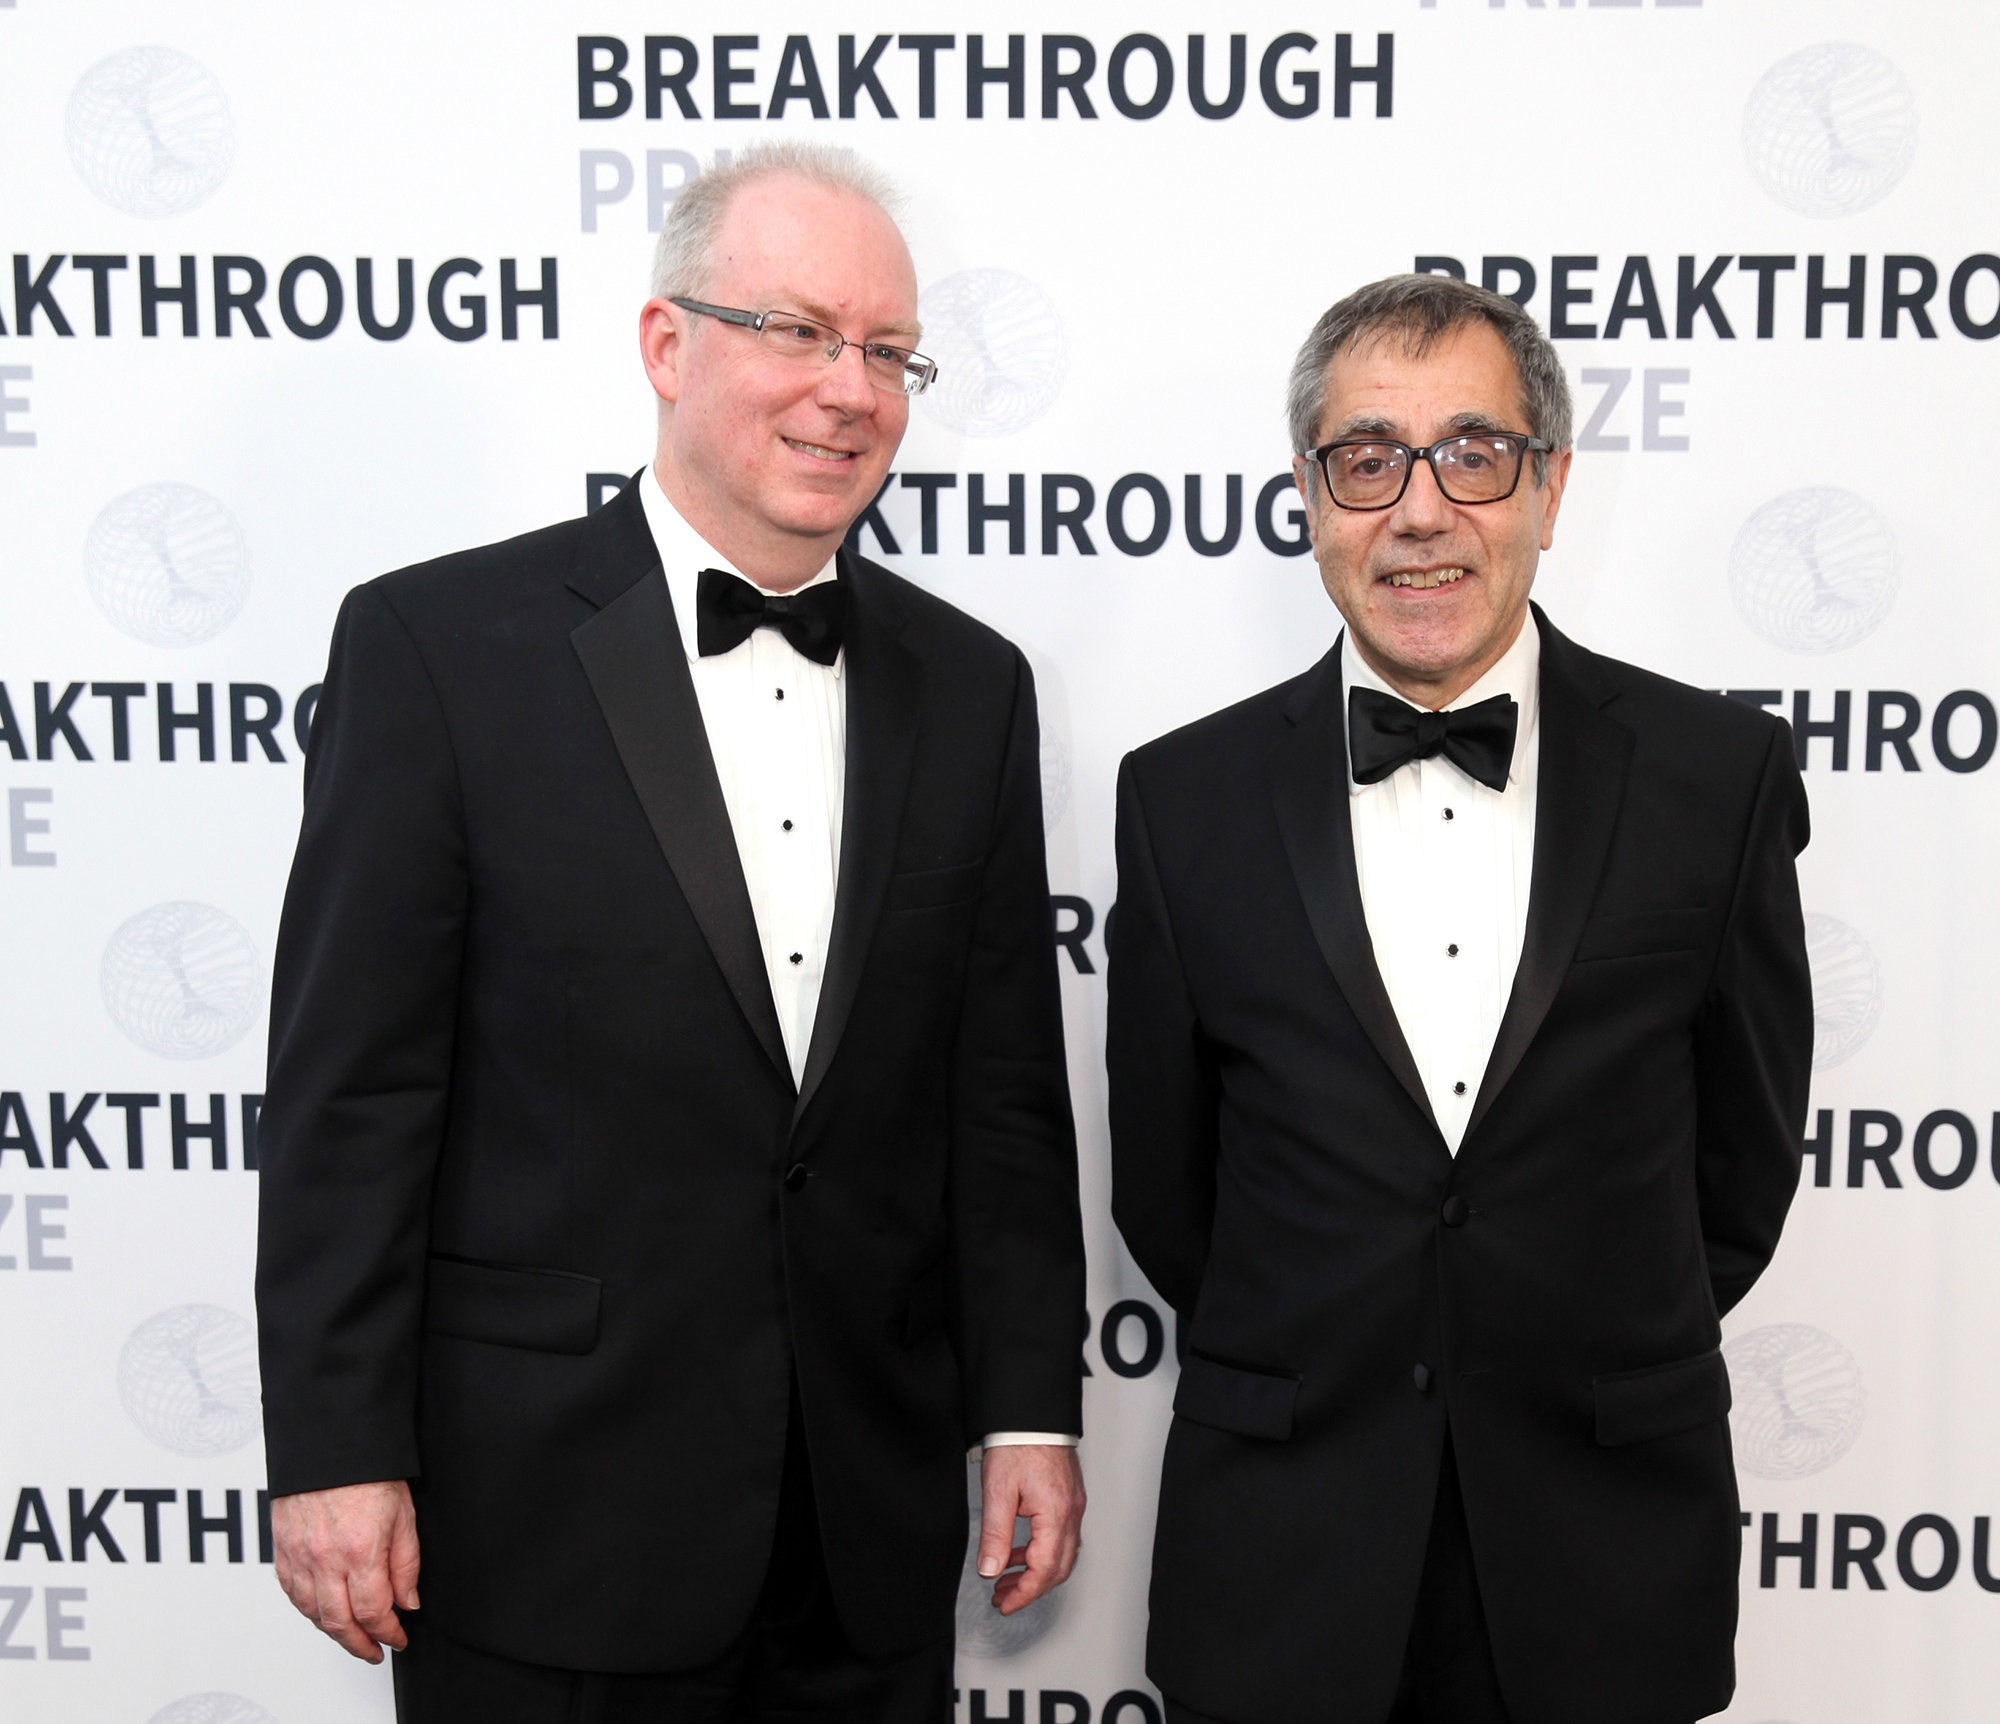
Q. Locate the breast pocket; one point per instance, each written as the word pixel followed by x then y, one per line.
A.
pixel 934 888
pixel 1642 934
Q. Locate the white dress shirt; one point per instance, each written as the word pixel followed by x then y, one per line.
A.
pixel 1445 865
pixel 777 729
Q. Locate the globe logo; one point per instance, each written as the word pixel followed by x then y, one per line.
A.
pixel 212 1709
pixel 182 980
pixel 1814 570
pixel 167 564
pixel 998 341
pixel 1847 989
pixel 1830 130
pixel 982 1631
pixel 1055 780
pixel 188 1378
pixel 1797 1400
pixel 149 131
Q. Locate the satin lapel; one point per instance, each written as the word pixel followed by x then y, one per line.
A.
pixel 1309 789
pixel 884 685
pixel 632 653
pixel 1584 759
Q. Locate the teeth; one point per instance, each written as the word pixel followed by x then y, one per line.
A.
pixel 1425 578
pixel 823 454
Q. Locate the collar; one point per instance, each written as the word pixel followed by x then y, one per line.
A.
pixel 684 553
pixel 1518 672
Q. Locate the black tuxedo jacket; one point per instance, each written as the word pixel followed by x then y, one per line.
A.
pixel 1554 1291
pixel 545 1224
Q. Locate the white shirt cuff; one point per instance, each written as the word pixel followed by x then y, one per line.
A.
pixel 1019 1439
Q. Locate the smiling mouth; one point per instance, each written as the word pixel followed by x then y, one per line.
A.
pixel 1424 578
pixel 820 450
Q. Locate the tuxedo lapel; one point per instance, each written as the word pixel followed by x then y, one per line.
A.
pixel 884 685
pixel 1309 789
pixel 1584 759
pixel 637 666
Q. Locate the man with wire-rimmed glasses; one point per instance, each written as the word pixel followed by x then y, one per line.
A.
pixel 668 1166
pixel 1459 1031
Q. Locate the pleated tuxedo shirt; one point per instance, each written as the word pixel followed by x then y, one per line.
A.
pixel 777 728
pixel 1445 865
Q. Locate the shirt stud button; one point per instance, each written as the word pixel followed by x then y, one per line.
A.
pixel 1449 815
pixel 788 826
pixel 800 958
pixel 781 694
pixel 1458 1088
pixel 1451 951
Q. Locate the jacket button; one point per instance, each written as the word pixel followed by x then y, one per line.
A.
pixel 1421 1376
pixel 796 1176
pixel 1455 1211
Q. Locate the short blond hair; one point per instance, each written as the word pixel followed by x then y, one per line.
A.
pixel 684 254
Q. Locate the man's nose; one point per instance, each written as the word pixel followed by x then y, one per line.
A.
pixel 1423 507
pixel 845 386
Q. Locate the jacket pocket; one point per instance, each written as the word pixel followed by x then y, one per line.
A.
pixel 1661 1400
pixel 1641 933
pixel 547 1310
pixel 934 888
pixel 1245 1401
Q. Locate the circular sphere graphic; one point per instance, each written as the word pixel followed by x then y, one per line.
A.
pixel 150 132
pixel 1055 780
pixel 181 980
pixel 212 1709
pixel 1830 130
pixel 1798 1400
pixel 982 1631
pixel 167 564
pixel 1847 989
pixel 998 342
pixel 1814 570
pixel 188 1378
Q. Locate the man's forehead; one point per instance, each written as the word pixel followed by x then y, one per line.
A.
pixel 1388 380
pixel 795 246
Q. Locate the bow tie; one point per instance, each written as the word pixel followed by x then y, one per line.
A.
pixel 728 610
pixel 1384 733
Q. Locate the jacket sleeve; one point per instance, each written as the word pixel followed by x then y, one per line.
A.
pixel 1165 1093
pixel 1017 1264
pixel 363 1011
pixel 1754 1040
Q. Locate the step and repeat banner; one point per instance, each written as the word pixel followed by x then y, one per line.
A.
pixel 289 298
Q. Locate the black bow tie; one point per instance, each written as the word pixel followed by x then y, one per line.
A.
pixel 1384 733
pixel 728 610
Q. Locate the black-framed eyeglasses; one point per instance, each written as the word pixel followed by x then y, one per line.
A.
pixel 808 342
pixel 1374 472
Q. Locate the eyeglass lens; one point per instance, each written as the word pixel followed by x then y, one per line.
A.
pixel 1472 469
pixel 812 343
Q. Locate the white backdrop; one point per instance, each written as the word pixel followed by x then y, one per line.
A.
pixel 1793 512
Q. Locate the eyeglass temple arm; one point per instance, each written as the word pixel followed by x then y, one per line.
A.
pixel 747 319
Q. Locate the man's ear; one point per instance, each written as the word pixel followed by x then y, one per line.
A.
pixel 1552 488
pixel 662 339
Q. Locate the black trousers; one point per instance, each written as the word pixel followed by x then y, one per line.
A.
pixel 1448 1675
pixel 793 1664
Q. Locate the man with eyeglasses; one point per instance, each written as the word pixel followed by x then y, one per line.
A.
pixel 1460 1028
pixel 668 1167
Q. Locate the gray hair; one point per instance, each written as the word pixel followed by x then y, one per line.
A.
pixel 683 257
pixel 1422 310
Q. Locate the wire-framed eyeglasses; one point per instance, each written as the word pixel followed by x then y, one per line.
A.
pixel 1374 472
pixel 807 342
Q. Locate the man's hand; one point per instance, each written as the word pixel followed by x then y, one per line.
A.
pixel 347 1557
pixel 1043 1482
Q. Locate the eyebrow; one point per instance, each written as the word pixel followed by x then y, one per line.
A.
pixel 812 308
pixel 1469 423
